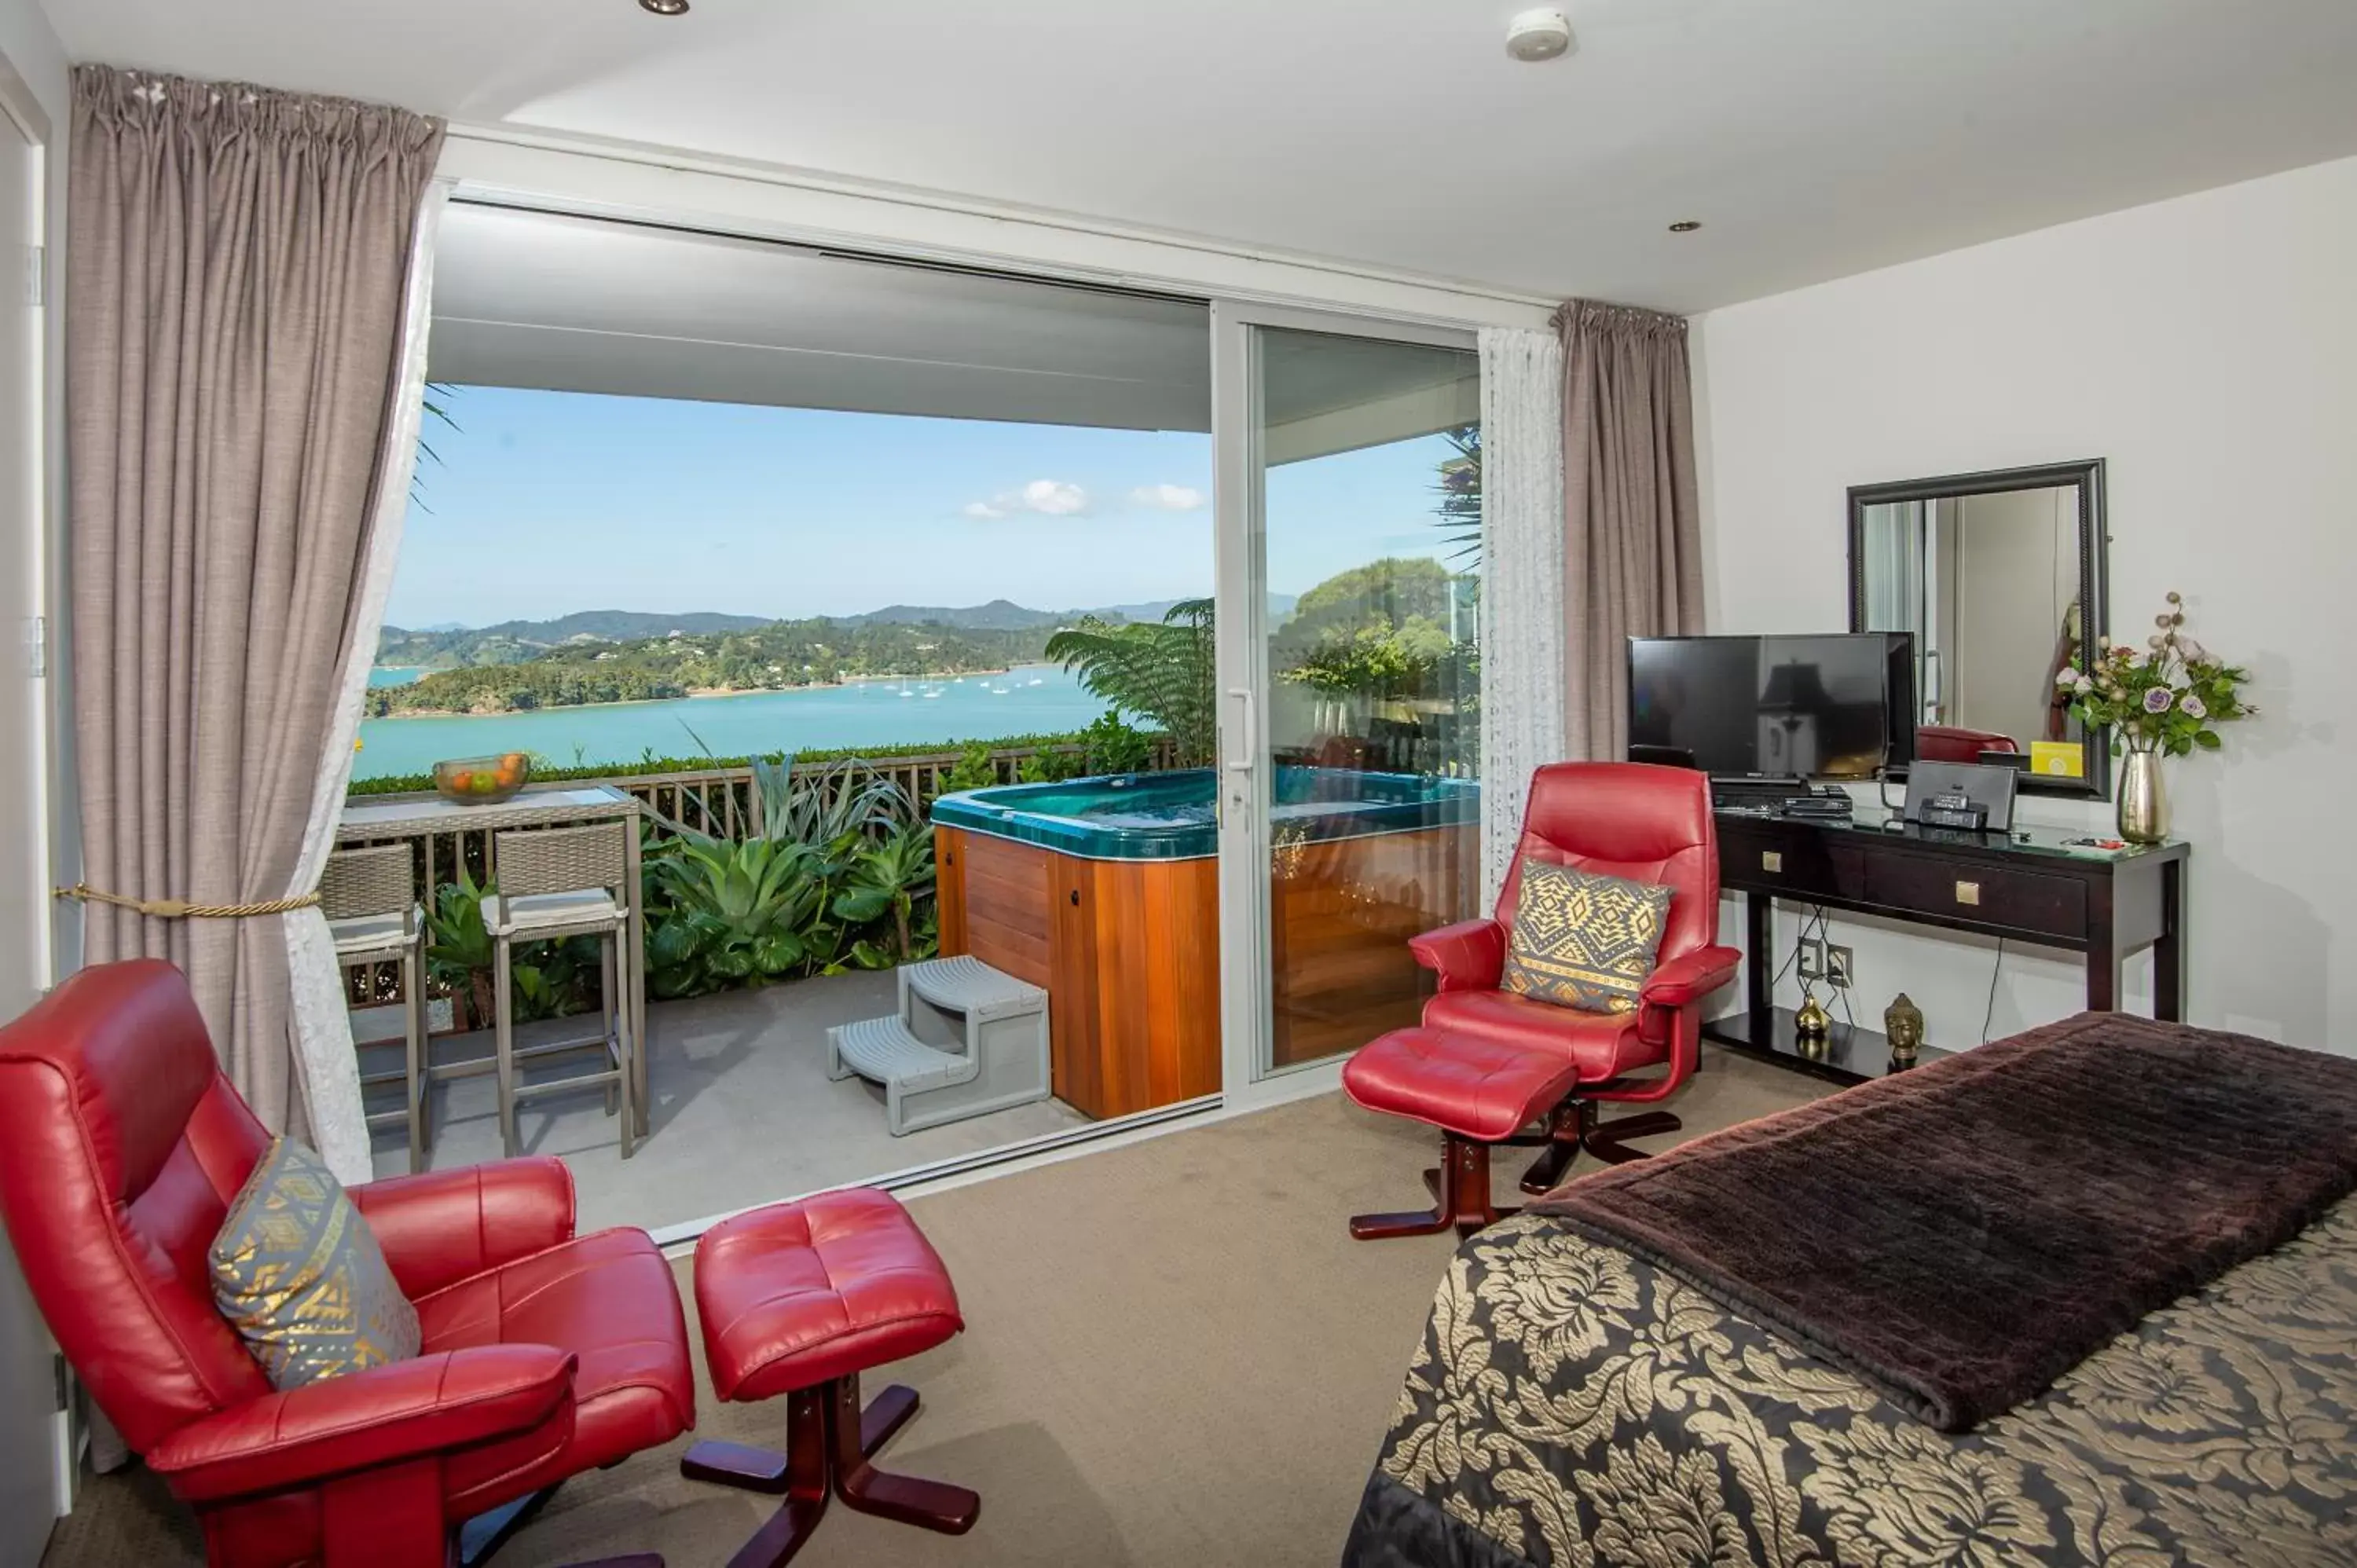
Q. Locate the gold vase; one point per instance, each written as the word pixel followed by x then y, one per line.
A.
pixel 2143 799
pixel 1811 1026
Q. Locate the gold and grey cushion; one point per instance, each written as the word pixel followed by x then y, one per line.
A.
pixel 1582 939
pixel 301 1278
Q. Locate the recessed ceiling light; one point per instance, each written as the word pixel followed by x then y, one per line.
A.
pixel 1684 225
pixel 1543 33
pixel 665 7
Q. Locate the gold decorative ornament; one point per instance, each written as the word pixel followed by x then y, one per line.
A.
pixel 2143 799
pixel 1811 1026
pixel 1903 1021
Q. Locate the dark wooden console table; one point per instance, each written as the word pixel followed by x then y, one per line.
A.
pixel 2023 885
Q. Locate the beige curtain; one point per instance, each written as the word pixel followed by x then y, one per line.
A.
pixel 1632 528
pixel 238 266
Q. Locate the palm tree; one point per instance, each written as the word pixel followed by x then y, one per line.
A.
pixel 1162 672
pixel 436 406
pixel 1459 506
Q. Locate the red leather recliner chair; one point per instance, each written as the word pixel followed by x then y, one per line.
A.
pixel 1619 819
pixel 1951 743
pixel 121 1146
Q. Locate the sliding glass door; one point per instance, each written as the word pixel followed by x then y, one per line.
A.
pixel 1348 529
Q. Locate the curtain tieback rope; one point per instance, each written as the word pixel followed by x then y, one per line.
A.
pixel 181 909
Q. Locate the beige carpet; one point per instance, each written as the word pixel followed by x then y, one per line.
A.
pixel 1175 1357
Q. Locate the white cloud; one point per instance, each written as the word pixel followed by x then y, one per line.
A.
pixel 1167 498
pixel 1053 498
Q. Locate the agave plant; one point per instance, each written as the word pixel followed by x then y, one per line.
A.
pixel 833 880
pixel 728 914
pixel 830 804
pixel 887 880
pixel 459 948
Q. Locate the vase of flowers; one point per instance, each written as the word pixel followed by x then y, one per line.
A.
pixel 2165 699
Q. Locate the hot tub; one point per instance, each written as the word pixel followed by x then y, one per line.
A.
pixel 1105 891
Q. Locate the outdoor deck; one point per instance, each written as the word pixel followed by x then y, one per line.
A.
pixel 743 1111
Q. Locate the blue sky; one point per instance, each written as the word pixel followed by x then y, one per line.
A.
pixel 549 502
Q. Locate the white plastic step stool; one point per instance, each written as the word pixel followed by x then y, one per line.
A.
pixel 999 1060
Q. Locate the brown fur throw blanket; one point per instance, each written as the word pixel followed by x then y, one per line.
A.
pixel 1965 1232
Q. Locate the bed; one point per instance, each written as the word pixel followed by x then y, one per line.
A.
pixel 1581 1399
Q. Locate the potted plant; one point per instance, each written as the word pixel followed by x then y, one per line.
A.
pixel 2165 699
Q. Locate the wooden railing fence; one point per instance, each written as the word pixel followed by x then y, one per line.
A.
pixel 722 802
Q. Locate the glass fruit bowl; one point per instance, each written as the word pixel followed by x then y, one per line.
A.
pixel 482 780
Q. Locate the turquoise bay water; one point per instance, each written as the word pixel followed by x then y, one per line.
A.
pixel 1036 699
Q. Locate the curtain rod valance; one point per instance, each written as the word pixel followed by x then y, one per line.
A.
pixel 1617 320
pixel 135 101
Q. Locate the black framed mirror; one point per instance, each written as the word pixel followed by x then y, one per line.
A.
pixel 1999 577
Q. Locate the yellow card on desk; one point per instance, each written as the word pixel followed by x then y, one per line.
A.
pixel 2067 757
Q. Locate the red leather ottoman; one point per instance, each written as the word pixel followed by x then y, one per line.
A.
pixel 1477 1092
pixel 798 1299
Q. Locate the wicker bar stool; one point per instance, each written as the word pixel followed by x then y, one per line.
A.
pixel 556 883
pixel 370 896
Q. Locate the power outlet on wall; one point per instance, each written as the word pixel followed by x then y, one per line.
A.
pixel 1812 960
pixel 1839 968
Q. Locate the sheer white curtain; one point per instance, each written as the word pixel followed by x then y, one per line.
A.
pixel 1894 567
pixel 1522 581
pixel 322 1028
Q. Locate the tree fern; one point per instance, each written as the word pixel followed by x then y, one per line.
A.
pixel 1161 673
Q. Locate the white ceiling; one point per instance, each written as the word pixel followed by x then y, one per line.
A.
pixel 1813 137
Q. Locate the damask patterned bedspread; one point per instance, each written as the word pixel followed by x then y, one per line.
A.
pixel 1573 1408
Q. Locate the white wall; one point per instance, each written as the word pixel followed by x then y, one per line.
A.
pixel 2207 348
pixel 40 78
pixel 33 1446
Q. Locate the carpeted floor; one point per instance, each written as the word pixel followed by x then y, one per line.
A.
pixel 1176 1358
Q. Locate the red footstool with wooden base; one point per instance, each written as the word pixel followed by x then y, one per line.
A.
pixel 1477 1092
pixel 799 1299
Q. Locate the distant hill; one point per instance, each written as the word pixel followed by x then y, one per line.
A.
pixel 616 625
pixel 448 647
pixel 999 615
pixel 1280 605
pixel 513 641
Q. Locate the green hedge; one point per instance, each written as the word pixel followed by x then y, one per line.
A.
pixel 409 783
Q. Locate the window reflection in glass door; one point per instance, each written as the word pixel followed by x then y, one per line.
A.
pixel 1371 476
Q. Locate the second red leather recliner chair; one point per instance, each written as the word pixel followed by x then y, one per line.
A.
pixel 121 1146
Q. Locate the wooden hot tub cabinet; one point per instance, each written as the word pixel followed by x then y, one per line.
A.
pixel 1341 913
pixel 1128 950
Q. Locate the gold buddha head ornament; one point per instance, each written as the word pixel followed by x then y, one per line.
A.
pixel 1903 1021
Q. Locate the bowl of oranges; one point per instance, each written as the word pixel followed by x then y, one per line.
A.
pixel 482 780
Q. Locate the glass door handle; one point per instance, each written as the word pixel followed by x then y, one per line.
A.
pixel 1243 694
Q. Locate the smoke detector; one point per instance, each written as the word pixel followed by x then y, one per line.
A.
pixel 1543 33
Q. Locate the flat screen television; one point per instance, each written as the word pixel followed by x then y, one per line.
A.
pixel 1838 706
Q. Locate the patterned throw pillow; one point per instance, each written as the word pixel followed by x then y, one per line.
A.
pixel 300 1277
pixel 1584 941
